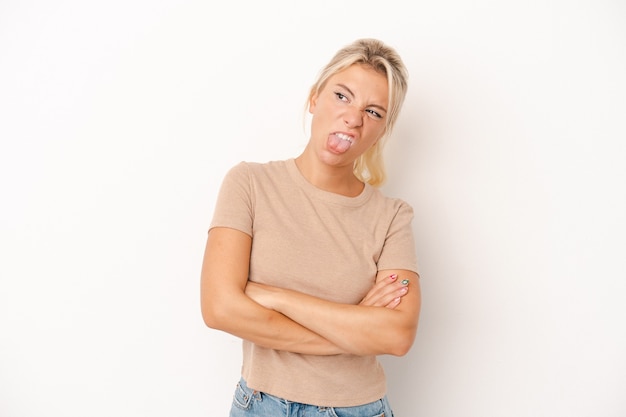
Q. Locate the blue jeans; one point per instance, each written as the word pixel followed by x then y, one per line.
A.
pixel 250 403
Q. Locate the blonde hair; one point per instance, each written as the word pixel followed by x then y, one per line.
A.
pixel 370 167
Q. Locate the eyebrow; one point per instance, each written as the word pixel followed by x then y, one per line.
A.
pixel 352 94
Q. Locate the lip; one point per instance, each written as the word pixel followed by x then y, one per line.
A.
pixel 345 136
pixel 339 143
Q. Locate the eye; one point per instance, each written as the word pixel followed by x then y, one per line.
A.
pixel 374 114
pixel 340 96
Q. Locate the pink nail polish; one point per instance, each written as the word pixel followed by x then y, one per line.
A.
pixel 393 277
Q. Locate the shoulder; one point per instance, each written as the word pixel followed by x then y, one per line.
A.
pixel 258 168
pixel 391 204
pixel 256 176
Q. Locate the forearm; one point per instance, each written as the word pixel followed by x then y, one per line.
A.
pixel 242 317
pixel 226 307
pixel 358 329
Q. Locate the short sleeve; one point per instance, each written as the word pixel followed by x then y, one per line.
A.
pixel 399 248
pixel 234 206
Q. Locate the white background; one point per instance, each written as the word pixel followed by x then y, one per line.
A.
pixel 119 119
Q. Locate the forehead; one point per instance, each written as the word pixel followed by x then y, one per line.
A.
pixel 362 80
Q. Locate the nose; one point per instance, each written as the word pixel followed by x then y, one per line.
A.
pixel 353 117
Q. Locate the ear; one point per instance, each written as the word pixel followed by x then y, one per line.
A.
pixel 312 103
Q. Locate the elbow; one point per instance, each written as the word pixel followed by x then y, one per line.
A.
pixel 209 317
pixel 395 343
pixel 214 314
pixel 401 349
pixel 209 320
pixel 402 344
pixel 404 337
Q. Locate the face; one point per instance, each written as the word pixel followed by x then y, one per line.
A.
pixel 349 114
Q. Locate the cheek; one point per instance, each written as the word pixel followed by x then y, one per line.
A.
pixel 377 131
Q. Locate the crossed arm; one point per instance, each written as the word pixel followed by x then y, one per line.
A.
pixel 384 322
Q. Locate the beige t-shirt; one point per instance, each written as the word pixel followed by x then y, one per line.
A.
pixel 320 243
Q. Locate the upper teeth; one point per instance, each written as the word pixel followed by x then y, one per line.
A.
pixel 344 137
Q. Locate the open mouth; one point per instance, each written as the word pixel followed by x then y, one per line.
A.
pixel 340 142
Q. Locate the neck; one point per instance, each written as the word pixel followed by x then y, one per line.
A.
pixel 335 179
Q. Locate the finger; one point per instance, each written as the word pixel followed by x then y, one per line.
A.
pixel 385 294
pixel 394 303
pixel 379 289
pixel 392 300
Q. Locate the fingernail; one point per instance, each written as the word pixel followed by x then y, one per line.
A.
pixel 405 282
pixel 404 290
pixel 393 276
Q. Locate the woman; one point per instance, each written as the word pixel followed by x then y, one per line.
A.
pixel 309 263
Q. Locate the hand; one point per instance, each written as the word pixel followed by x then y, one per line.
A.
pixel 387 292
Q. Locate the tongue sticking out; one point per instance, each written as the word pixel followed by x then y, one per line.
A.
pixel 337 144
